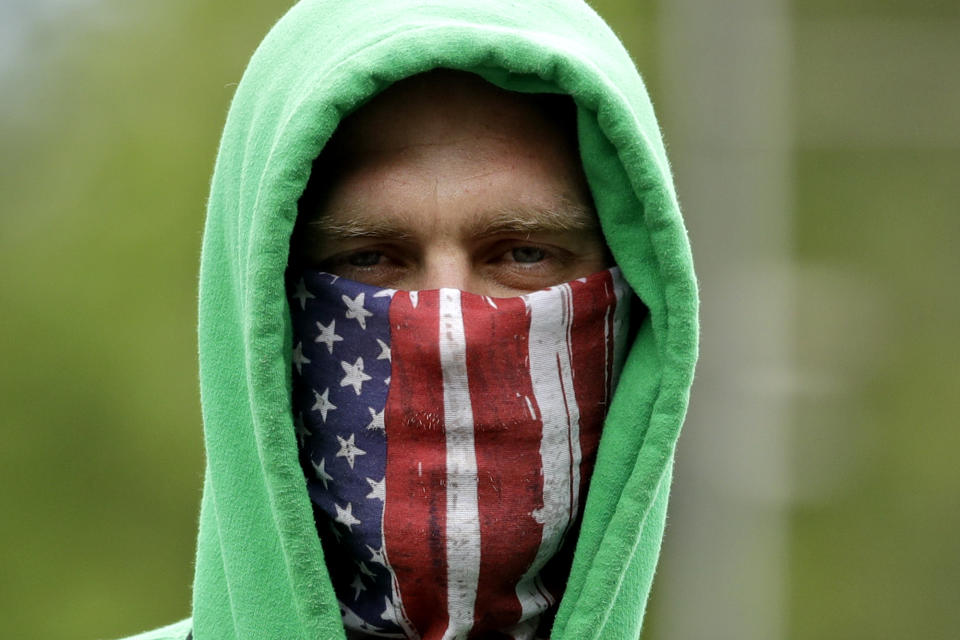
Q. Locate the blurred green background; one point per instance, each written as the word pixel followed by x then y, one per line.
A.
pixel 817 477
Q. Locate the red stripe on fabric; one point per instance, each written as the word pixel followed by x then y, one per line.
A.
pixel 415 508
pixel 591 352
pixel 507 441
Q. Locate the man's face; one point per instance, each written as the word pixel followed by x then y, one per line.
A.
pixel 444 180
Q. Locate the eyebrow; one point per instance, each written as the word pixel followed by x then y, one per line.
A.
pixel 359 224
pixel 566 215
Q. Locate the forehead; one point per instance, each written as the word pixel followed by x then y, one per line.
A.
pixel 445 104
pixel 449 151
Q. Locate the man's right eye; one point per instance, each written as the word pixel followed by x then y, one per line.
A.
pixel 364 258
pixel 527 255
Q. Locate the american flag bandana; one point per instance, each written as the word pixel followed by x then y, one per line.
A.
pixel 447 439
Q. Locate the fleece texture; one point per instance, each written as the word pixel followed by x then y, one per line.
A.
pixel 260 569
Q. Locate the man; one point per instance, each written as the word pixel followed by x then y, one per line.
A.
pixel 413 321
pixel 444 180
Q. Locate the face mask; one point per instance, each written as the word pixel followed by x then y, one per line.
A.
pixel 447 440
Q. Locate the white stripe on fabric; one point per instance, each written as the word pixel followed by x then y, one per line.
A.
pixel 525 630
pixel 552 380
pixel 463 516
pixel 565 369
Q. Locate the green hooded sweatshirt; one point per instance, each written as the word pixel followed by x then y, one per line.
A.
pixel 260 570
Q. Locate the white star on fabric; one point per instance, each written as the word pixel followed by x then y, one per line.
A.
pixel 299 359
pixel 355 377
pixel 378 490
pixel 352 621
pixel 376 555
pixel 328 336
pixel 320 472
pixel 364 570
pixel 389 611
pixel 349 450
pixel 376 421
pixel 384 350
pixel 302 294
pixel 345 516
pixel 302 431
pixel 322 403
pixel 386 380
pixel 355 310
pixel 358 586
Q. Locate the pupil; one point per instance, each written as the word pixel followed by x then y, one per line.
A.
pixel 365 258
pixel 527 254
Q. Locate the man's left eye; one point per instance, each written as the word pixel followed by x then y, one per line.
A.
pixel 527 254
pixel 364 258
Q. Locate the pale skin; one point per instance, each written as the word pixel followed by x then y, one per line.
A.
pixel 444 180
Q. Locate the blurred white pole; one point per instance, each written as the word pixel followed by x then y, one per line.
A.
pixel 725 105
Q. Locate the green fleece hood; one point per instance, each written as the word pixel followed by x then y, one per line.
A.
pixel 260 569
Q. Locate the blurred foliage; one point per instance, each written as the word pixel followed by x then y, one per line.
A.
pixel 876 516
pixel 109 125
pixel 110 121
pixel 875 551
